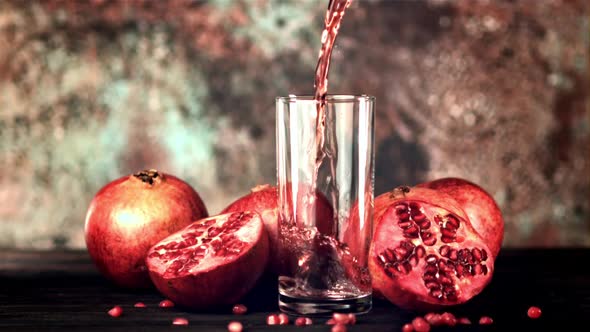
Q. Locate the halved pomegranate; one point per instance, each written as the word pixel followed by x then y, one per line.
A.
pixel 478 204
pixel 425 254
pixel 214 261
pixel 263 199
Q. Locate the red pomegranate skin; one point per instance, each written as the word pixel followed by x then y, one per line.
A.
pixel 263 199
pixel 409 291
pixel 478 204
pixel 219 280
pixel 129 215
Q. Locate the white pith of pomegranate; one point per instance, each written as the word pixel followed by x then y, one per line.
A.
pixel 212 262
pixel 424 255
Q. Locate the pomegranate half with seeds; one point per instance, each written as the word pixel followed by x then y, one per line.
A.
pixel 214 261
pixel 425 253
pixel 131 214
pixel 481 209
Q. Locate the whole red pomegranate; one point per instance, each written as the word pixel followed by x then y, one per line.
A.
pixel 478 204
pixel 263 199
pixel 425 254
pixel 214 261
pixel 129 215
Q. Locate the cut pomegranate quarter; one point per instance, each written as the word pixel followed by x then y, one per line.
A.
pixel 214 261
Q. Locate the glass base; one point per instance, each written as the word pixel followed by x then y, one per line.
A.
pixel 324 307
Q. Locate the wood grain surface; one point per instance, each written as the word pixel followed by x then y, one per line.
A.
pixel 61 291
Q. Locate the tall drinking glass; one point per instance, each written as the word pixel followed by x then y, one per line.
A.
pixel 325 179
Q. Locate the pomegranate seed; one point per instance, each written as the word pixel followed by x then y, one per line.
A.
pixel 302 321
pixel 464 321
pixel 351 319
pixel 139 305
pixel 180 321
pixel 448 319
pixel 283 319
pixel 408 328
pixel 116 311
pixel 166 304
pixel 420 325
pixel 339 328
pixel 534 312
pixel 485 320
pixel 235 327
pixel 272 319
pixel 433 319
pixel 340 318
pixel 239 309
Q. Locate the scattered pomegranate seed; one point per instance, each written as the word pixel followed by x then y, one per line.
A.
pixel 272 319
pixel 283 319
pixel 420 325
pixel 408 328
pixel 339 328
pixel 302 321
pixel 139 305
pixel 180 321
pixel 485 320
pixel 340 318
pixel 239 309
pixel 448 319
pixel 433 319
pixel 116 311
pixel 166 304
pixel 235 327
pixel 351 319
pixel 464 321
pixel 429 316
pixel 534 312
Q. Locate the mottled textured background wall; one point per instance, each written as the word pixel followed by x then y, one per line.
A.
pixel 493 91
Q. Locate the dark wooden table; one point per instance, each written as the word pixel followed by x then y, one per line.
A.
pixel 61 291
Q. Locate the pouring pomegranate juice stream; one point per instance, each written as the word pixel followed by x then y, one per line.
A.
pixel 334 15
pixel 320 273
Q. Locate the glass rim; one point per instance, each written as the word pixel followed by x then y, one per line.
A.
pixel 331 99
